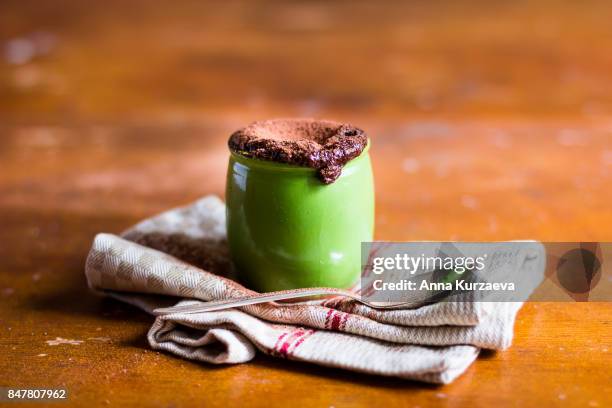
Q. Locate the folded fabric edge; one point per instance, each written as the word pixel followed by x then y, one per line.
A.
pixel 354 353
pixel 216 345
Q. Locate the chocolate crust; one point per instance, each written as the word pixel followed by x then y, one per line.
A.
pixel 320 144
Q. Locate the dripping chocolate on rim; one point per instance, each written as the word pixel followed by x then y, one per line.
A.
pixel 323 145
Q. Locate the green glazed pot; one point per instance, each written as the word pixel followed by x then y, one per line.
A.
pixel 288 230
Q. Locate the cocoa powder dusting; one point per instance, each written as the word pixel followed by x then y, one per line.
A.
pixel 320 144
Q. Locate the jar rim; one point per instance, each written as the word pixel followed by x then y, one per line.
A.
pixel 269 164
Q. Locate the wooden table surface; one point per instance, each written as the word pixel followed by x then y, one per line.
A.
pixel 489 122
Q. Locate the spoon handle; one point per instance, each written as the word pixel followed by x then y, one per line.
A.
pixel 252 300
pixel 280 295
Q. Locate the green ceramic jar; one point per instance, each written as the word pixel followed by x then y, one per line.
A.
pixel 288 230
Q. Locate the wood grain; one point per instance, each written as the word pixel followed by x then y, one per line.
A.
pixel 489 122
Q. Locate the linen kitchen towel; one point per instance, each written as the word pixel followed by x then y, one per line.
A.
pixel 181 257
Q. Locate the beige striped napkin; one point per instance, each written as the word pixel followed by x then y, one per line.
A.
pixel 181 257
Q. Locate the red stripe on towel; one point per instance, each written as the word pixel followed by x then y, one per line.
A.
pixel 329 313
pixel 336 320
pixel 345 317
pixel 285 347
pixel 300 341
pixel 278 341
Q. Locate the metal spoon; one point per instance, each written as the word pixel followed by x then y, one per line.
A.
pixel 281 295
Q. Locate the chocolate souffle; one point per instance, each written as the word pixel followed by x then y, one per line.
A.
pixel 320 144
